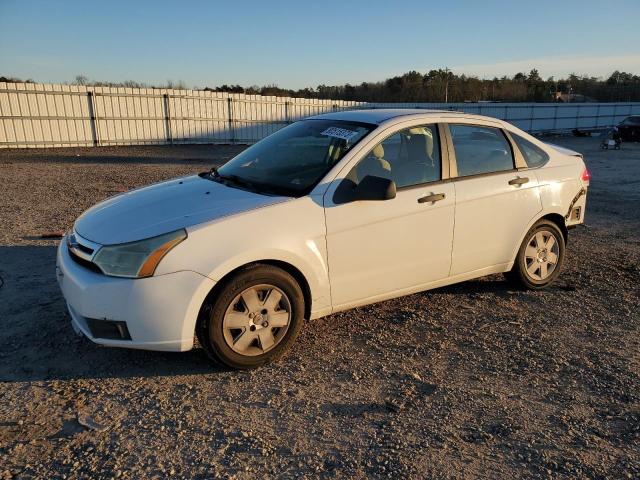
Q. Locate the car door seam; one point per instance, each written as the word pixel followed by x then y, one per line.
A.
pixel 453 233
pixel 326 247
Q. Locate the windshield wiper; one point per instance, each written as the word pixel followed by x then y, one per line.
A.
pixel 256 187
pixel 238 181
pixel 211 173
pixel 228 179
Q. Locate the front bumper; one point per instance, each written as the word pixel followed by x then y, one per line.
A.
pixel 160 312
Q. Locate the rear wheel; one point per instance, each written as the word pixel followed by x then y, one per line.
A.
pixel 253 319
pixel 540 256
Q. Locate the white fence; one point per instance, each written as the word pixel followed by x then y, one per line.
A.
pixel 43 115
pixel 540 117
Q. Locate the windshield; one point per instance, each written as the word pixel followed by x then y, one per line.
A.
pixel 294 159
pixel 631 121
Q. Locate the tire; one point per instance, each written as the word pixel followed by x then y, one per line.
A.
pixel 253 318
pixel 529 268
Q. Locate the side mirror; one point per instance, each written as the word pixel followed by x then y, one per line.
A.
pixel 369 188
pixel 375 188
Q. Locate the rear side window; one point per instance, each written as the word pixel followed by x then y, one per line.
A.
pixel 534 156
pixel 480 150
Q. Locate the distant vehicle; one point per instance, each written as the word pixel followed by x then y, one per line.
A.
pixel 630 129
pixel 330 213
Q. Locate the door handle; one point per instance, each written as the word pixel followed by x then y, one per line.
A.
pixel 519 181
pixel 435 197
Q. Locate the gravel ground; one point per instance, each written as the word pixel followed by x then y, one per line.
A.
pixel 474 380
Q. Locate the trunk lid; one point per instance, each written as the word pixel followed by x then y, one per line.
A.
pixel 565 151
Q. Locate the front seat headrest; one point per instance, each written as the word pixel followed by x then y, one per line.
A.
pixel 428 134
pixel 378 151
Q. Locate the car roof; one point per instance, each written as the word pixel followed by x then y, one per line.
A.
pixel 380 115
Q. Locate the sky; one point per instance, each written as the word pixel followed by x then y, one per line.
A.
pixel 295 44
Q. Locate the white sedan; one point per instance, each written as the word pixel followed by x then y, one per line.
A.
pixel 330 213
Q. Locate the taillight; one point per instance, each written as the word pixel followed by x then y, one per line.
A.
pixel 586 176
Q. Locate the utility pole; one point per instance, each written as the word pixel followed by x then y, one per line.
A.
pixel 446 85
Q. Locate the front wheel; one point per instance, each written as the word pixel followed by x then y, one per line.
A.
pixel 253 318
pixel 540 256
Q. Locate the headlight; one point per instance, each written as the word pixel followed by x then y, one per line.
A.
pixel 137 259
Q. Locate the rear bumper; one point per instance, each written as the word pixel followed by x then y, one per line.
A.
pixel 160 312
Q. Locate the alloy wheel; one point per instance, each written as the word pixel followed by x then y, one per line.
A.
pixel 257 320
pixel 541 255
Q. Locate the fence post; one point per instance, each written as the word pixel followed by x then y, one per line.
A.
pixel 531 118
pixel 167 117
pixel 230 112
pixel 598 116
pixel 92 119
pixel 615 108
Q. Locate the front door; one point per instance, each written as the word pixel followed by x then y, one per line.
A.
pixel 380 249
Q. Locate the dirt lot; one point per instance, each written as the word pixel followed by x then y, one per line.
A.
pixel 474 380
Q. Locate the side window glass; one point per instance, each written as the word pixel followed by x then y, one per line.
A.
pixel 409 157
pixel 480 150
pixel 534 156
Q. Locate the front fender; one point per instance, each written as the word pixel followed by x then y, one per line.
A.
pixel 311 266
pixel 290 232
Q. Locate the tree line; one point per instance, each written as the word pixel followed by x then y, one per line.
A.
pixel 440 85
pixel 445 86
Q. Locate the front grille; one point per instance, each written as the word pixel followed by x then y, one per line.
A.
pixel 85 263
pixel 108 329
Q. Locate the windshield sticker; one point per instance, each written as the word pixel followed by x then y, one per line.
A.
pixel 342 133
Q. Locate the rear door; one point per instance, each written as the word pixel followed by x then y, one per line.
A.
pixel 495 202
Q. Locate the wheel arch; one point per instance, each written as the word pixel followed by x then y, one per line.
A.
pixel 560 223
pixel 554 217
pixel 287 267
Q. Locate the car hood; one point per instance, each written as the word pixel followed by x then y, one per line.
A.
pixel 165 207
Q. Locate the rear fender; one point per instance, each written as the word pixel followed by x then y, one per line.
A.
pixel 556 216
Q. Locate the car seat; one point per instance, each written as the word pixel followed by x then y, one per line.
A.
pixel 418 166
pixel 373 164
